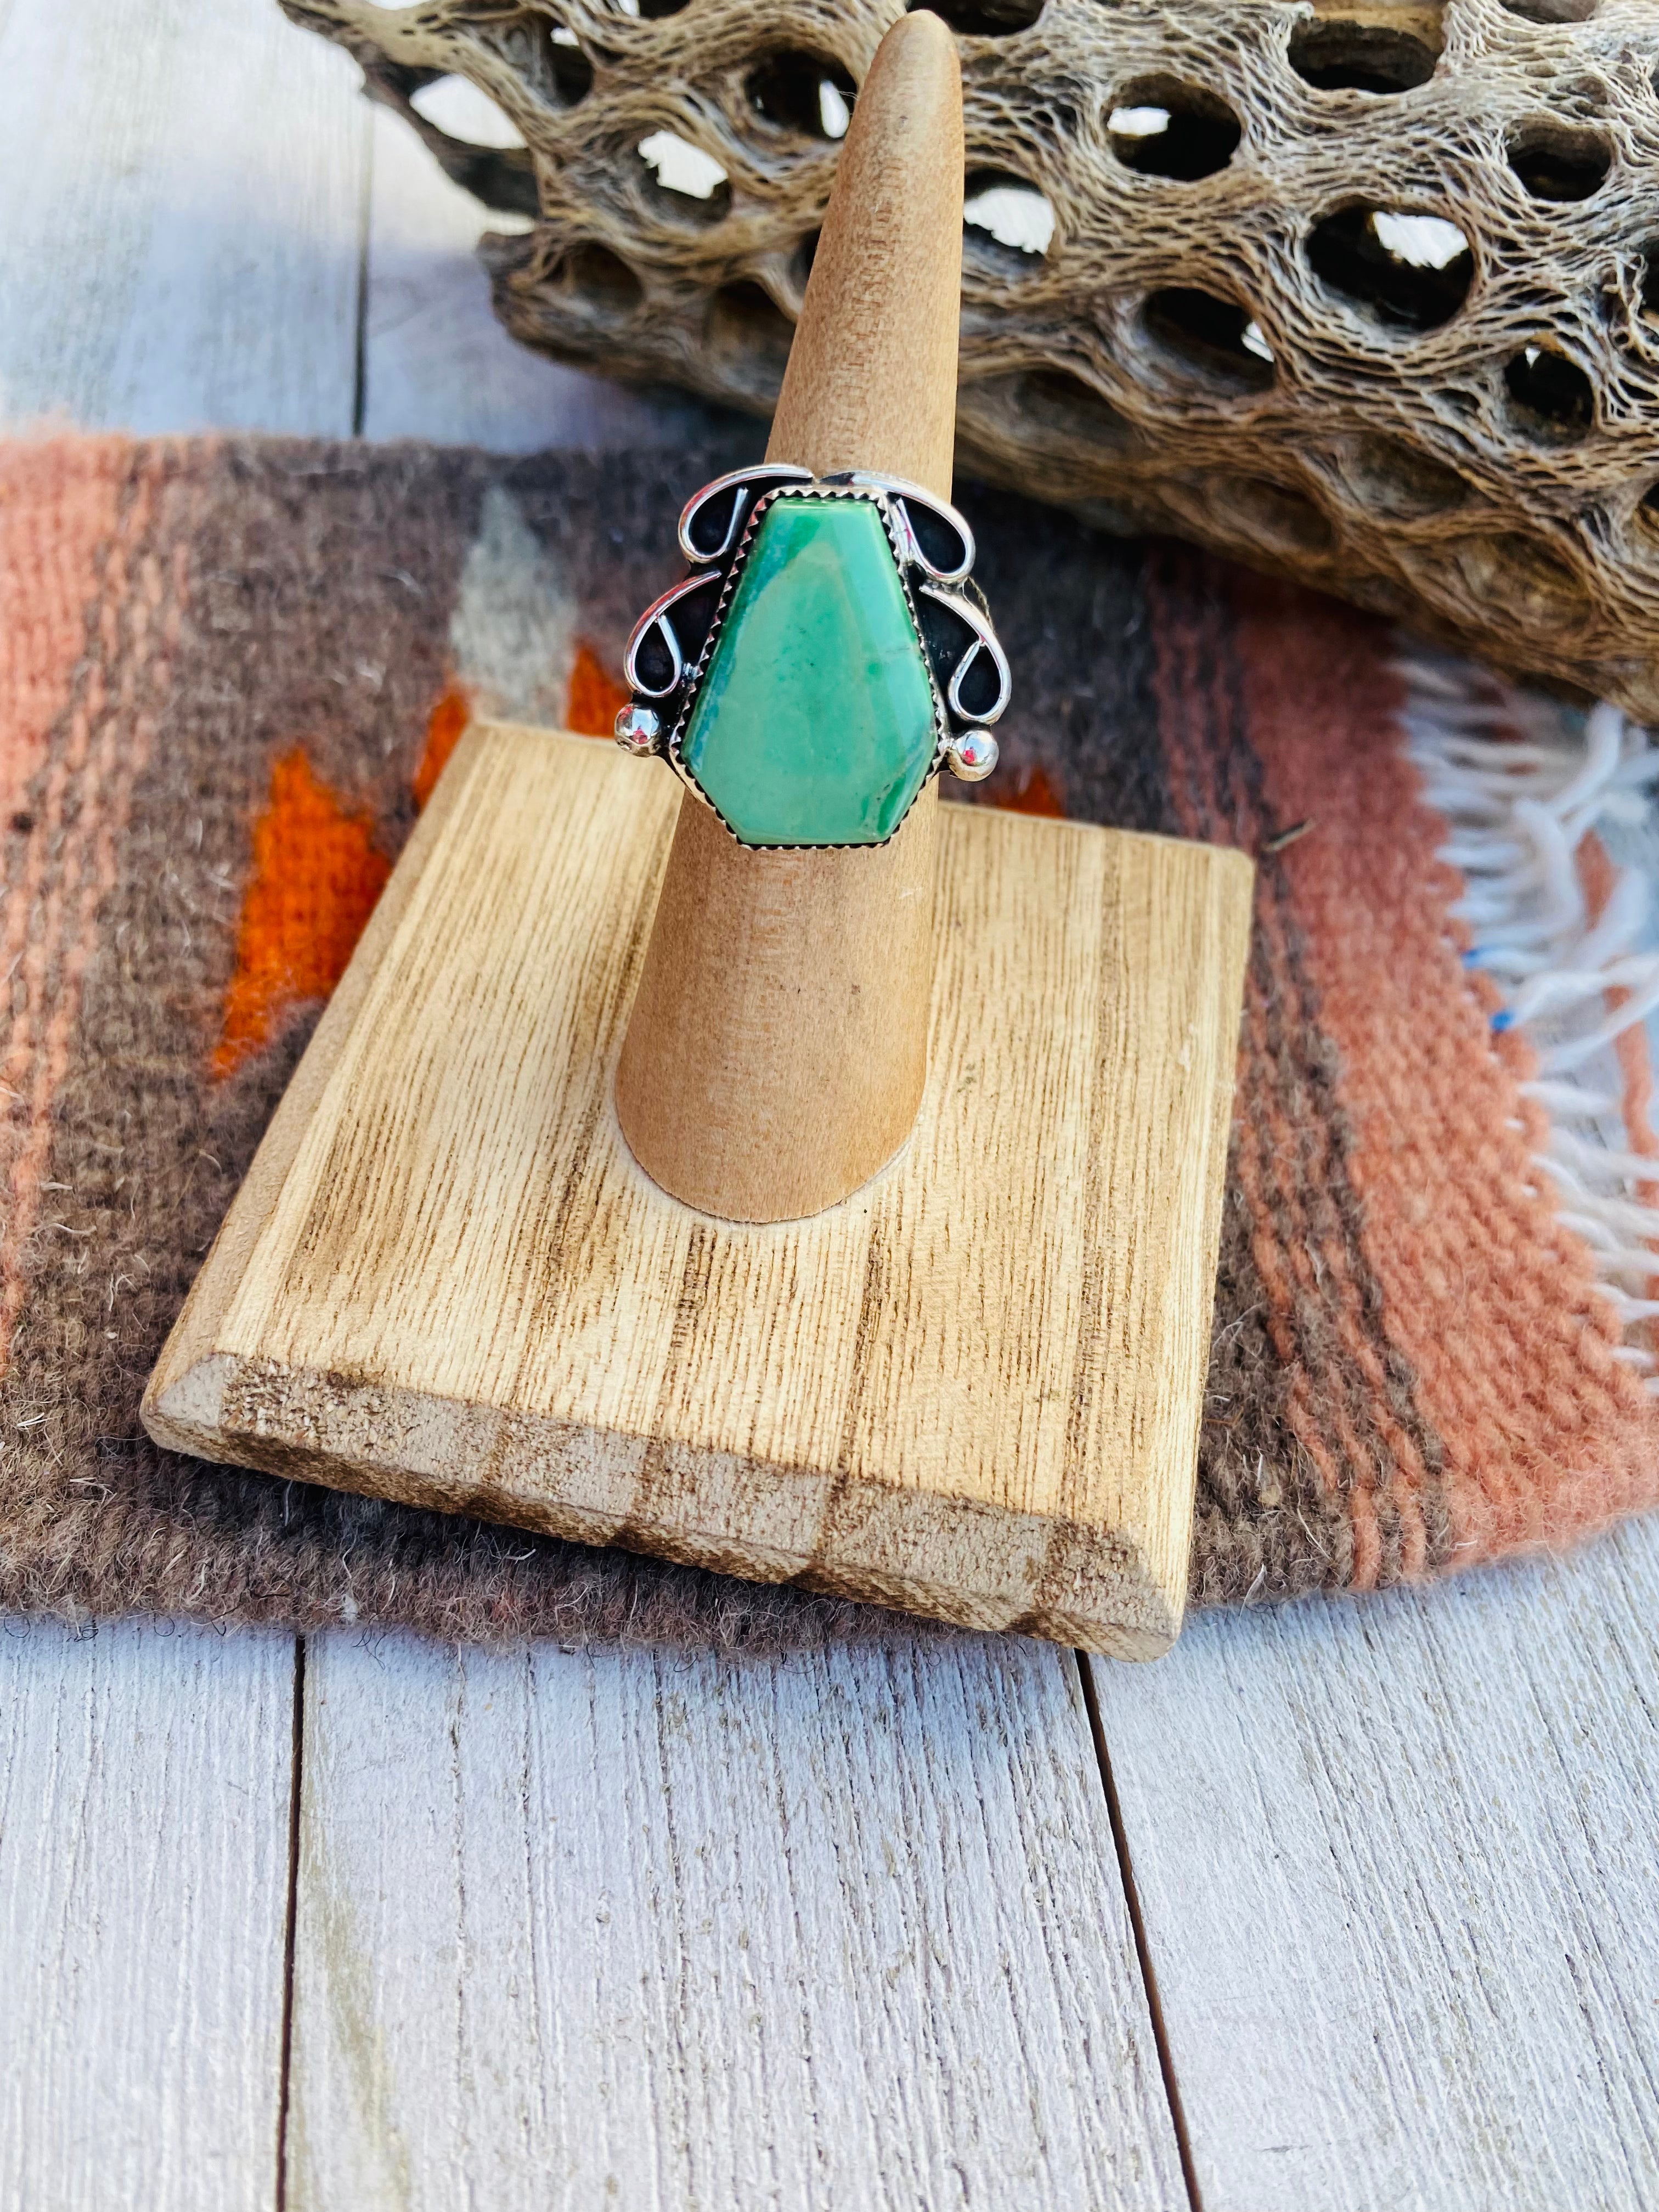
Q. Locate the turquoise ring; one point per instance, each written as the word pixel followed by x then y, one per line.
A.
pixel 827 653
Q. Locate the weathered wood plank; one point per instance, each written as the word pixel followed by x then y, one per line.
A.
pixel 1400 1868
pixel 838 1929
pixel 183 187
pixel 143 1896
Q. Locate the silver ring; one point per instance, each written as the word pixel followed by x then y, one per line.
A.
pixel 935 672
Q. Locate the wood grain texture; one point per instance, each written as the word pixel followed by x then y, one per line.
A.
pixel 839 1929
pixel 183 189
pixel 143 1893
pixel 778 1047
pixel 1397 1865
pixel 973 1390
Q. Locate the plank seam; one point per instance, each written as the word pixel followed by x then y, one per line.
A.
pixel 1131 1899
pixel 359 338
pixel 290 1922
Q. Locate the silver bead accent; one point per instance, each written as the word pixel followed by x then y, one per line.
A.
pixel 971 756
pixel 639 730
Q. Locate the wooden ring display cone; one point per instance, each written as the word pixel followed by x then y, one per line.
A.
pixel 778 1046
pixel 962 1374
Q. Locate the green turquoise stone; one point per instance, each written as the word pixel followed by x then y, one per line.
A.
pixel 814 724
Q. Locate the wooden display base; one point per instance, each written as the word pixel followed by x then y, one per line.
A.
pixel 972 1389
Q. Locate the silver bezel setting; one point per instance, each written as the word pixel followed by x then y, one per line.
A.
pixel 717 561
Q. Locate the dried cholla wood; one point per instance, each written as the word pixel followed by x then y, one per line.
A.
pixel 1230 334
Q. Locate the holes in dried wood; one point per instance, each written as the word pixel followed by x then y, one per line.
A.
pixel 1512 570
pixel 685 178
pixel 504 182
pixel 1553 11
pixel 1409 269
pixel 1210 338
pixel 801 260
pixel 542 52
pixel 1163 128
pixel 567 68
pixel 1008 217
pixel 1647 516
pixel 1058 90
pixel 1557 162
pixel 803 93
pixel 1550 398
pixel 1272 512
pixel 1336 57
pixel 653 10
pixel 1052 398
pixel 1393 480
pixel 600 281
pixel 1055 411
pixel 500 175
pixel 457 107
pixel 983 19
pixel 749 334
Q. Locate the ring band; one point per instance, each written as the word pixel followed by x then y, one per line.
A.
pixel 826 655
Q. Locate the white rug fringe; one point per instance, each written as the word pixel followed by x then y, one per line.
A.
pixel 1520 780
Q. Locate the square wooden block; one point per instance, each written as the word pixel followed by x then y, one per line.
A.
pixel 973 1389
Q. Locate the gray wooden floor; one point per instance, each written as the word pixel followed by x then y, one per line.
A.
pixel 1345 1907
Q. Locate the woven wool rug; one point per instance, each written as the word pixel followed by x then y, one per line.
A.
pixel 229 675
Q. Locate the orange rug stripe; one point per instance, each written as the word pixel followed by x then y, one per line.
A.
pixel 1035 791
pixel 444 726
pixel 317 874
pixel 597 697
